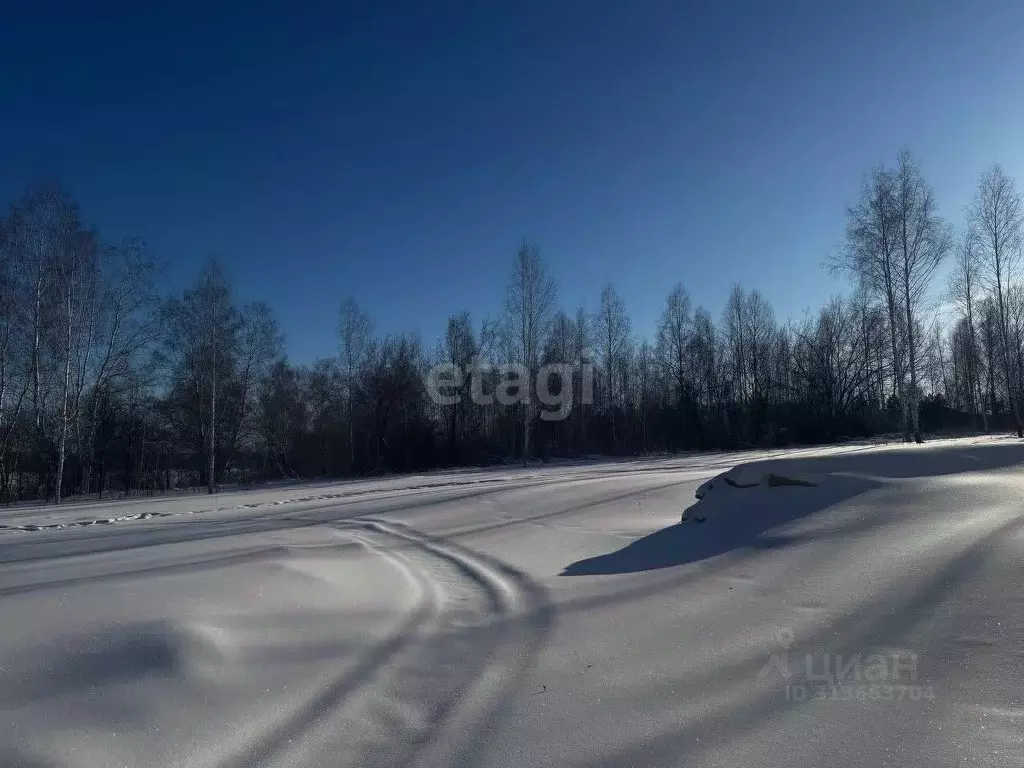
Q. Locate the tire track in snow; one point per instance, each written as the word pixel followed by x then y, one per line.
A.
pixel 264 742
pixel 423 696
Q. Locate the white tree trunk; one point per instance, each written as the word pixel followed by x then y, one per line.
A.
pixel 62 443
pixel 213 434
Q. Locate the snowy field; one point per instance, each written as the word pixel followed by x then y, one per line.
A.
pixel 557 616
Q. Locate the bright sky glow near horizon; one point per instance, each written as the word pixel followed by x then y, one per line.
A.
pixel 399 152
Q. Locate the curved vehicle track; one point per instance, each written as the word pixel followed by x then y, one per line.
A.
pixel 421 697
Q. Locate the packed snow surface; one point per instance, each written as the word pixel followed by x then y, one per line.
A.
pixel 870 614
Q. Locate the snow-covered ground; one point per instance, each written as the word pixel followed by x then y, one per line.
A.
pixel 553 616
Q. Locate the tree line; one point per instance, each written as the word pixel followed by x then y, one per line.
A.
pixel 107 386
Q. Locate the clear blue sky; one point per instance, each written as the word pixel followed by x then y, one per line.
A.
pixel 398 152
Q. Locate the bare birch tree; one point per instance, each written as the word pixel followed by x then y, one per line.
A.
pixel 675 327
pixel 924 240
pixel 964 291
pixel 14 379
pixel 530 305
pixel 871 253
pixel 582 336
pixel 356 331
pixel 55 257
pixel 611 331
pixel 76 283
pixel 201 341
pixel 997 218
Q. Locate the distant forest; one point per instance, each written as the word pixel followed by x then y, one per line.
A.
pixel 109 387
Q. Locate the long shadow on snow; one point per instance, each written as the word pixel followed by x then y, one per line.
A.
pixel 741 519
pixel 880 624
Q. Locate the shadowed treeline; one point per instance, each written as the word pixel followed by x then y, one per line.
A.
pixel 107 386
